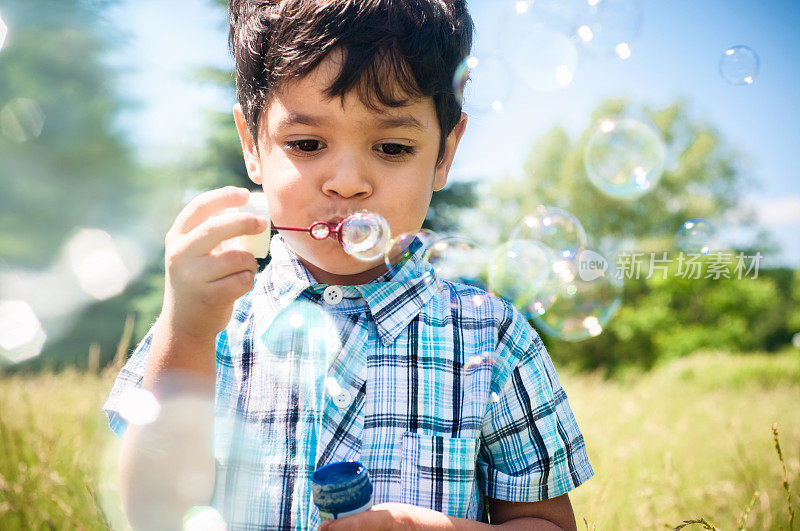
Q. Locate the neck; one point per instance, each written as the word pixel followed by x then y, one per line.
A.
pixel 325 277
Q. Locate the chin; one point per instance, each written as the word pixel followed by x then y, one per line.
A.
pixel 329 256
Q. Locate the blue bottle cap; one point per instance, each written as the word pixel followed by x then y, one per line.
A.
pixel 341 487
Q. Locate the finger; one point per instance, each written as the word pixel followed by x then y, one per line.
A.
pixel 236 284
pixel 208 204
pixel 227 263
pixel 210 233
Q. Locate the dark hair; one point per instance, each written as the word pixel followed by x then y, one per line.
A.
pixel 417 44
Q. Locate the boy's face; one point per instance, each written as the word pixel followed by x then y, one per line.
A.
pixel 322 159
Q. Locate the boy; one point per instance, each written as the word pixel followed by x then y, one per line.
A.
pixel 344 105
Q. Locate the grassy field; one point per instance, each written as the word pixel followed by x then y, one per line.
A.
pixel 691 440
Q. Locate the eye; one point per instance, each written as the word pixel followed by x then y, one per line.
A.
pixel 393 150
pixel 307 145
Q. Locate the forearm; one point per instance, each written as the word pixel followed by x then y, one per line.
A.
pixel 167 466
pixel 517 524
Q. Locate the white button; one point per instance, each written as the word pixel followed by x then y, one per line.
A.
pixel 332 294
pixel 342 400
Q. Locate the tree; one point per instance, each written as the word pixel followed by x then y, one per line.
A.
pixel 658 319
pixel 63 163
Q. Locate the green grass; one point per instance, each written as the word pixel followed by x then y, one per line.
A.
pixel 690 441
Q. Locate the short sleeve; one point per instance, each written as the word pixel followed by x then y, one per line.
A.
pixel 531 447
pixel 132 374
pixel 130 377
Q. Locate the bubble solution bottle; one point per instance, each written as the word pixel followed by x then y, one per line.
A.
pixel 341 489
pixel 258 244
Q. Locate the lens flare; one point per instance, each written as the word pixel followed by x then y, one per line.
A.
pixel 365 236
pixel 739 65
pixel 96 261
pixel 624 158
pixel 21 120
pixel 21 334
pixel 202 518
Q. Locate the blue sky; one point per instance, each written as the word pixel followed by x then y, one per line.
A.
pixel 675 56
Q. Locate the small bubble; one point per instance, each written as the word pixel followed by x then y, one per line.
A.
pixel 739 65
pixel 404 247
pixel 608 27
pixel 483 83
pixel 695 236
pixel 365 236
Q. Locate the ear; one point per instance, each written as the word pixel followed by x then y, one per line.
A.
pixel 450 145
pixel 251 159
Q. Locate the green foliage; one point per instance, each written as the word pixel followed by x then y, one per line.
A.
pixel 78 172
pixel 659 319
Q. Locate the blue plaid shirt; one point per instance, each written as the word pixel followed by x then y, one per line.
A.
pixel 443 392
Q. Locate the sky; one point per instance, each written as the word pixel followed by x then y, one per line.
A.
pixel 675 55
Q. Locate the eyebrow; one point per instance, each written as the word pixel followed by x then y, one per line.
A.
pixel 387 122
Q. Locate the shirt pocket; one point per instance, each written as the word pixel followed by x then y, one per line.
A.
pixel 438 473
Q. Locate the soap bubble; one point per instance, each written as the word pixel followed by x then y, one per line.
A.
pixel 554 227
pixel 483 84
pixel 365 235
pixel 608 27
pixel 458 259
pixel 738 65
pixel 403 247
pixel 624 158
pixel 695 236
pixel 577 309
pixel 518 270
pixel 203 518
pixel 557 15
pixel 542 58
pixel 21 120
pixel 96 261
pixel 21 334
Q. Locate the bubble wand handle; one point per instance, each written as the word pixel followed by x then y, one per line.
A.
pixel 319 230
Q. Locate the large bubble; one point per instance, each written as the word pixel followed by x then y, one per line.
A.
pixel 608 27
pixel 519 270
pixel 365 236
pixel 624 158
pixel 554 227
pixel 543 59
pixel 738 65
pixel 696 236
pixel 580 297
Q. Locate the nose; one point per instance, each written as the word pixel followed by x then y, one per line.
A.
pixel 349 177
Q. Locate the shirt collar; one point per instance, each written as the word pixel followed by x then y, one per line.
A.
pixel 394 299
